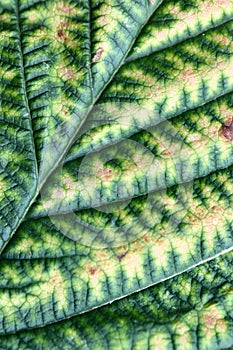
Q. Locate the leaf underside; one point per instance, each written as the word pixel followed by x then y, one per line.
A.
pixel 116 174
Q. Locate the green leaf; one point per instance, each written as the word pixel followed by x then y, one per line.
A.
pixel 191 311
pixel 116 174
pixel 18 166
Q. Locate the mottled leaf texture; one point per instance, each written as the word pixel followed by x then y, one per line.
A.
pixel 116 174
pixel 190 311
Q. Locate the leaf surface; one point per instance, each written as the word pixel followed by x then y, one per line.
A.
pixel 191 311
pixel 18 165
pixel 116 172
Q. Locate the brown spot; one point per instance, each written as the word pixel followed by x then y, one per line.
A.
pixel 189 76
pixel 200 212
pixel 168 150
pixel 121 256
pixel 221 324
pixel 192 219
pixel 68 73
pixel 92 270
pixel 66 9
pixel 64 112
pixel 226 66
pixel 146 238
pixel 137 246
pixel 105 174
pixel 98 54
pixel 53 280
pixel 216 209
pixel 42 28
pixel 60 33
pixel 166 153
pixel 227 130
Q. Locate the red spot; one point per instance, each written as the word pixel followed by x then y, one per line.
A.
pixel 227 130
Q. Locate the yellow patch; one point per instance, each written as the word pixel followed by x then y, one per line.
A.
pixel 159 251
pixel 225 112
pixel 3 188
pixel 34 15
pixel 159 340
pixel 72 334
pixel 212 320
pixel 7 74
pixel 25 245
pixel 55 285
pixel 52 242
pixel 182 247
pixel 11 274
pixel 132 264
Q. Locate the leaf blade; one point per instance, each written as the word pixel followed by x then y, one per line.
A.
pixel 18 164
pixel 44 276
pixel 129 323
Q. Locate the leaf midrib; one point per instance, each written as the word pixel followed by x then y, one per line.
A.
pixel 108 302
pixel 72 140
pixel 94 100
pixel 24 88
pixel 23 79
pixel 74 157
pixel 44 215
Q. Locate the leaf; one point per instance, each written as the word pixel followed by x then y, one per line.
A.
pixel 18 167
pixel 116 173
pixel 47 55
pixel 191 311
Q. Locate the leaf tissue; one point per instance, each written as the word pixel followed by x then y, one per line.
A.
pixel 116 174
